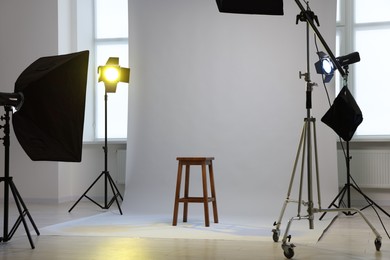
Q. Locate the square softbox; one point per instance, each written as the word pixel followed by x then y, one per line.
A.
pixel 50 123
pixel 344 116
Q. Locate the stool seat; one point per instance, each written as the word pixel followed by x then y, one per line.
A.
pixel 205 199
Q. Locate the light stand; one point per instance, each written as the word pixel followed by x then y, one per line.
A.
pixel 48 106
pixel 10 185
pixel 308 137
pixel 348 185
pixel 308 16
pixel 122 75
pixel 105 174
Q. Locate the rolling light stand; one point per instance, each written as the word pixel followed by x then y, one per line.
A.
pixel 10 185
pixel 308 137
pixel 105 174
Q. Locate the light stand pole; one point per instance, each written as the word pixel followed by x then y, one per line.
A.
pixel 105 174
pixel 110 74
pixel 305 149
pixel 10 185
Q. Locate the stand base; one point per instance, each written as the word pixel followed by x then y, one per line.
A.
pixel 114 189
pixel 346 189
pixel 288 248
pixel 23 211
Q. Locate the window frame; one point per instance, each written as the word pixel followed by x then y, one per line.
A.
pixel 346 28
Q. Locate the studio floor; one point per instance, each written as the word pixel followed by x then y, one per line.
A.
pixel 349 237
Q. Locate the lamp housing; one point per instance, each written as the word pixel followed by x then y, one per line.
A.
pixel 348 59
pixel 325 66
pixel 111 74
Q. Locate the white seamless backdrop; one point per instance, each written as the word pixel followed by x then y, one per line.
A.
pixel 205 83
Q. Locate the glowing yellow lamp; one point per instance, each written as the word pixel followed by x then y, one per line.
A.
pixel 112 73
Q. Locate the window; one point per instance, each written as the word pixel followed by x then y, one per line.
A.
pixel 364 26
pixel 111 40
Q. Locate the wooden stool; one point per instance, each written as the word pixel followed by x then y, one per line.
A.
pixel 188 161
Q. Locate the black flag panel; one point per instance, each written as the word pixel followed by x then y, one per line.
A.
pixel 344 116
pixel 270 7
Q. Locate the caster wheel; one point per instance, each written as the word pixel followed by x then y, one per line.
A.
pixel 275 235
pixel 288 253
pixel 378 244
pixel 288 250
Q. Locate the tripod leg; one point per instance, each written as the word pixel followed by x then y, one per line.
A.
pixel 114 188
pixel 316 163
pixel 369 200
pixel 378 240
pixel 340 195
pixel 25 208
pixel 116 193
pixel 21 219
pixel 277 224
pixel 85 193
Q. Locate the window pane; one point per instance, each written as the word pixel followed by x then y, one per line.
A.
pixel 371 88
pixel 117 102
pixel 372 11
pixel 338 14
pixel 111 19
pixel 338 79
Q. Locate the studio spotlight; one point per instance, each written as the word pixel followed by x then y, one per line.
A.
pixel 348 59
pixel 325 66
pixel 110 74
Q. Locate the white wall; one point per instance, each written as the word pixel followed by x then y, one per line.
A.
pixel 29 30
pixel 210 84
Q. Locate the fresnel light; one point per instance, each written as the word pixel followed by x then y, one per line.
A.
pixel 111 74
pixel 325 66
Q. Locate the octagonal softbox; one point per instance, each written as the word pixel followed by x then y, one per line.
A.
pixel 344 116
pixel 49 125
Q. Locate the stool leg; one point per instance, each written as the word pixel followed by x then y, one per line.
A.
pixel 205 196
pixel 213 195
pixel 186 192
pixel 177 195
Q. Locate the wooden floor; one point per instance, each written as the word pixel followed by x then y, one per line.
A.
pixel 348 238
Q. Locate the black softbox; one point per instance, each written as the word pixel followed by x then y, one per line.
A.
pixel 270 7
pixel 344 116
pixel 49 125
